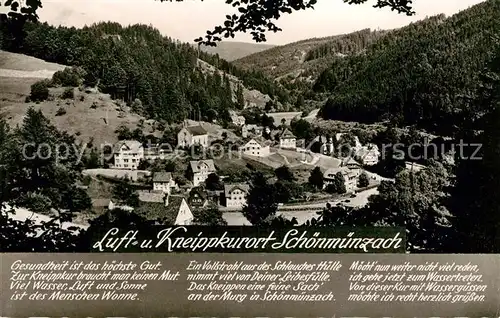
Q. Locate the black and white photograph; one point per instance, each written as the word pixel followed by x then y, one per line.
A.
pixel 250 113
pixel 251 158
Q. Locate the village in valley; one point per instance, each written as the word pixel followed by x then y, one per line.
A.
pixel 201 172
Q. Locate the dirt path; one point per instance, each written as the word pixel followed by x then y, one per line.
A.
pixel 26 74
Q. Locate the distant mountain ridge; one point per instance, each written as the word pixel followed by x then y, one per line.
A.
pixel 231 51
pixel 306 59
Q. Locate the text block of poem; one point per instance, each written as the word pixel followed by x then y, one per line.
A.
pixel 257 284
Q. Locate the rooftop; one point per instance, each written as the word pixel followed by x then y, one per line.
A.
pixel 196 166
pixel 330 173
pixel 162 176
pixel 197 130
pixel 350 162
pixel 131 145
pixel 287 134
pixel 228 188
pixel 261 142
pixel 157 211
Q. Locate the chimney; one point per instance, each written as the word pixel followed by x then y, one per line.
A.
pixel 166 198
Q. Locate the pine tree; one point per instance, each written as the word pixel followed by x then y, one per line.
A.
pixel 316 178
pixel 363 180
pixel 240 99
pixel 262 202
pixel 475 200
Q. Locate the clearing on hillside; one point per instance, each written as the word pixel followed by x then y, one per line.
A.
pixel 88 114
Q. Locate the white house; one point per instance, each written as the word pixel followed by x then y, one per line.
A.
pixel 236 195
pixel 256 148
pixel 174 210
pixel 326 144
pixel 128 154
pixel 179 207
pixel 288 140
pixel 350 177
pixel 201 169
pixel 163 181
pixel 192 135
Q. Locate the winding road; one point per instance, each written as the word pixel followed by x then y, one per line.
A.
pixel 303 212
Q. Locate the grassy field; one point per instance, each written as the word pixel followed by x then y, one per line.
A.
pixel 82 118
pixel 287 116
pixel 231 51
pixel 21 62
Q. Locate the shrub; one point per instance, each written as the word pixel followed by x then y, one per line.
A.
pixel 35 202
pixel 67 77
pixel 40 91
pixel 61 111
pixel 68 93
pixel 87 180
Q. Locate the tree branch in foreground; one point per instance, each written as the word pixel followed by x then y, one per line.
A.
pixel 258 16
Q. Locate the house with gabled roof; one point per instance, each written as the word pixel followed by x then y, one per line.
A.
pixel 192 135
pixel 163 181
pixel 236 195
pixel 173 211
pixel 127 154
pixel 369 155
pixel 197 197
pixel 350 177
pixel 200 169
pixel 288 140
pixel 256 147
pixel 351 164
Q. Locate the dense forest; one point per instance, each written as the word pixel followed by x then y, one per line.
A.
pixel 425 73
pixel 345 45
pixel 138 62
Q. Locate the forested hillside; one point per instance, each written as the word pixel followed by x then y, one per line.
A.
pixel 425 73
pixel 308 58
pixel 138 62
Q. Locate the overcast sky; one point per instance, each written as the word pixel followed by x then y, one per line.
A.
pixel 190 19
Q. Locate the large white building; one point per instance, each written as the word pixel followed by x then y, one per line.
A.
pixel 350 177
pixel 256 148
pixel 350 170
pixel 236 195
pixel 128 154
pixel 192 135
pixel 200 170
pixel 288 140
